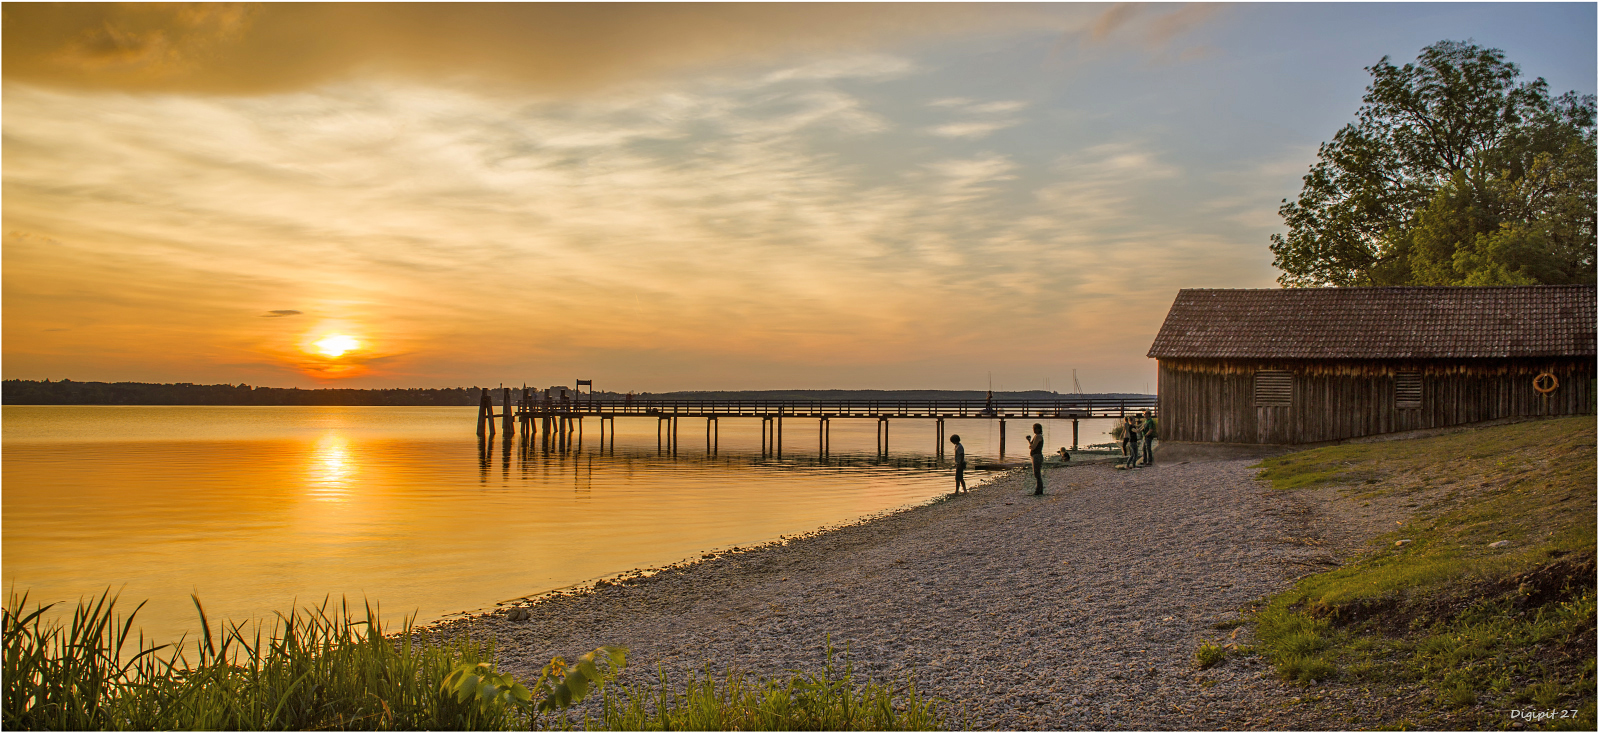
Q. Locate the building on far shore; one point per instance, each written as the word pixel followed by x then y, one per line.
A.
pixel 1310 365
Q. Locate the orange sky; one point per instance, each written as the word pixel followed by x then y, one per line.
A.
pixel 666 196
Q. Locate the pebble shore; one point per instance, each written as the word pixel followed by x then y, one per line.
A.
pixel 1079 609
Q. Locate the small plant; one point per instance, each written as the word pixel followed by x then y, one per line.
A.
pixel 560 684
pixel 1209 655
pixel 1458 694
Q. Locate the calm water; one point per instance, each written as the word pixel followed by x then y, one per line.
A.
pixel 256 509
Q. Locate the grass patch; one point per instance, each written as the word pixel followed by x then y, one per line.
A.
pixel 333 668
pixel 830 700
pixel 1485 630
pixel 1209 655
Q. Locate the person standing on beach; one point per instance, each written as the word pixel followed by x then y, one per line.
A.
pixel 1147 433
pixel 1130 442
pixel 1036 452
pixel 961 465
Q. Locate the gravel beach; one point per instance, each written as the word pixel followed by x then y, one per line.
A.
pixel 1079 609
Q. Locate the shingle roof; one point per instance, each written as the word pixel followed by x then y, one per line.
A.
pixel 1380 323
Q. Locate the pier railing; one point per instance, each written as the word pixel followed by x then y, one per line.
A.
pixel 1059 408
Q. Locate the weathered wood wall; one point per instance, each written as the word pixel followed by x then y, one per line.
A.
pixel 1215 402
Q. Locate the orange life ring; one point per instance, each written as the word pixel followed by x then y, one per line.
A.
pixel 1545 383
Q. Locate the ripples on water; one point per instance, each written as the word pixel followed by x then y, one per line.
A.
pixel 258 508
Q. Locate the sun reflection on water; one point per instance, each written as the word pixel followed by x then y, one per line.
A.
pixel 331 469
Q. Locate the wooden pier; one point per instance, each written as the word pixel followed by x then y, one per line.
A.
pixel 560 421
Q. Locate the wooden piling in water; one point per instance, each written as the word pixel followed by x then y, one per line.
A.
pixel 485 413
pixel 506 411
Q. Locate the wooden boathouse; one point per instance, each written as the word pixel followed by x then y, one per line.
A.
pixel 1311 365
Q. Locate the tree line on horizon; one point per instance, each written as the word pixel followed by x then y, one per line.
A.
pixel 69 392
pixel 1455 172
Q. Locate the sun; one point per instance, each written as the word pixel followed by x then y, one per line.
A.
pixel 335 345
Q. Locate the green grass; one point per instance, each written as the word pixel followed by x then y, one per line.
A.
pixel 319 668
pixel 328 668
pixel 829 700
pixel 1209 655
pixel 1484 630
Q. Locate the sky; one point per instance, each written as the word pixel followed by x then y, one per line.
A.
pixel 669 197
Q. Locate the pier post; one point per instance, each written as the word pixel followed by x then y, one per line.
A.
pixel 827 435
pixel 674 435
pixel 522 410
pixel 488 410
pixel 1002 438
pixel 506 416
pixel 1074 433
pixel 778 440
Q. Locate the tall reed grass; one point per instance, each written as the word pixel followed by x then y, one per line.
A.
pixel 319 667
pixel 326 667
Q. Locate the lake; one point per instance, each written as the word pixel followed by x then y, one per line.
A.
pixel 257 509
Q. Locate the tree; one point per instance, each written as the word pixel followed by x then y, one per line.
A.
pixel 1454 173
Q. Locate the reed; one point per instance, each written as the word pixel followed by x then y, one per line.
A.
pixel 329 667
pixel 320 667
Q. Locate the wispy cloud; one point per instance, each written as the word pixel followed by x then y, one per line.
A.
pixel 979 119
pixel 715 217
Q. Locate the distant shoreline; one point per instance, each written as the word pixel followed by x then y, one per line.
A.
pixel 70 392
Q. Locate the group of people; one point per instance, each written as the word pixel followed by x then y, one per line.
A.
pixel 1137 434
pixel 1138 431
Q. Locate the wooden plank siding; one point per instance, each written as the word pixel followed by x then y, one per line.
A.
pixel 1200 402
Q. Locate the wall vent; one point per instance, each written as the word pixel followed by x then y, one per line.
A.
pixel 1273 389
pixel 1408 389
